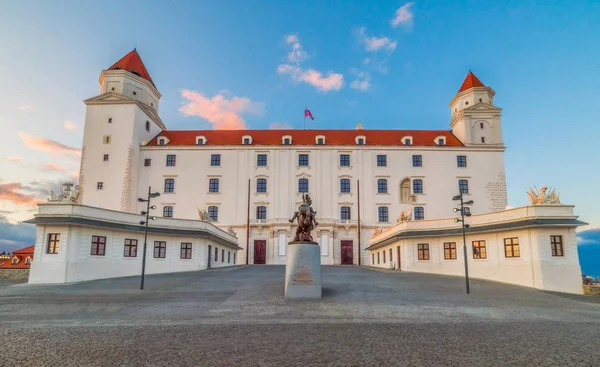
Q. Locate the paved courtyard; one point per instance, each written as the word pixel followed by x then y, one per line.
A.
pixel 238 317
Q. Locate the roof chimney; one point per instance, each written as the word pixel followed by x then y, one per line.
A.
pixel 359 127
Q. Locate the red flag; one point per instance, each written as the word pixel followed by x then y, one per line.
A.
pixel 308 114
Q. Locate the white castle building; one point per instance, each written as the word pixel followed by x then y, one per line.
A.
pixel 252 181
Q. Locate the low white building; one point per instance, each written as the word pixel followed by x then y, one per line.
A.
pixel 77 243
pixel 533 246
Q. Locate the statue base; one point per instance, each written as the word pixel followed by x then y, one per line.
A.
pixel 303 270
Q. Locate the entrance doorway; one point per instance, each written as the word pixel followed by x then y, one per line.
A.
pixel 347 252
pixel 260 251
pixel 398 266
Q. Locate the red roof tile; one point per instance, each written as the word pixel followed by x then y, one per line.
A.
pixel 470 81
pixel 132 62
pixel 26 250
pixel 308 137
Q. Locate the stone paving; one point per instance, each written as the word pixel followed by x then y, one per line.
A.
pixel 238 317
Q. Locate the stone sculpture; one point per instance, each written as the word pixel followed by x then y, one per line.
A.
pixel 404 216
pixel 69 193
pixel 544 196
pixel 306 219
pixel 231 232
pixel 203 215
pixel 377 231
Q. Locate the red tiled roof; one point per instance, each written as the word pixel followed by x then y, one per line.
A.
pixel 470 81
pixel 26 250
pixel 308 137
pixel 132 62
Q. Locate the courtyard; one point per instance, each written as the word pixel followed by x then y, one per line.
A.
pixel 237 316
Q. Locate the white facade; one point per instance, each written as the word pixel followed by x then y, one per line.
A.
pixel 532 246
pixel 116 181
pixel 65 251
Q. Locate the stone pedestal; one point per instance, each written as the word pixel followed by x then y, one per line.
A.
pixel 303 270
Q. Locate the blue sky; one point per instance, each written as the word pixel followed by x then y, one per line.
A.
pixel 353 64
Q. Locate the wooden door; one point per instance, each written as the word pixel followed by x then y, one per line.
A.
pixel 399 262
pixel 260 251
pixel 347 252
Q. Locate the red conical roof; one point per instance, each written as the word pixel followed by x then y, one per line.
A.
pixel 132 62
pixel 470 82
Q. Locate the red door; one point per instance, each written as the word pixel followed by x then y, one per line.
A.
pixel 260 251
pixel 347 249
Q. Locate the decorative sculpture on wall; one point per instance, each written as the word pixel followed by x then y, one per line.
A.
pixel 231 232
pixel 306 220
pixel 544 196
pixel 69 193
pixel 377 231
pixel 404 215
pixel 203 215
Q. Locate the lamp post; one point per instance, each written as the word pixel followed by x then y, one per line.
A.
pixel 464 227
pixel 142 222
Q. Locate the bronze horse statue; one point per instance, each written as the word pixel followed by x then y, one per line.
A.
pixel 306 220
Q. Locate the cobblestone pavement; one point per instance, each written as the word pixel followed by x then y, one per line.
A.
pixel 237 317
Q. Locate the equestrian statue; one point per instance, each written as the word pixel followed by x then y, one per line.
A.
pixel 306 219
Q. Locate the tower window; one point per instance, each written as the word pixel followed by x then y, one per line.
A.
pixel 110 120
pixel 480 100
pixel 100 185
pixel 483 139
pixel 147 162
pixel 147 125
pixel 134 93
pixel 481 125
pixel 106 158
pixel 467 102
pixel 106 139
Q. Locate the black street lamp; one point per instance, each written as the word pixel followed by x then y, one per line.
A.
pixel 142 222
pixel 464 227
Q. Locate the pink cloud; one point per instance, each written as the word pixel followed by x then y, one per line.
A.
pixel 70 125
pixel 403 16
pixel 297 54
pixel 47 145
pixel 373 43
pixel 362 83
pixel 55 167
pixel 25 107
pixel 13 158
pixel 280 126
pixel 10 191
pixel 323 83
pixel 224 114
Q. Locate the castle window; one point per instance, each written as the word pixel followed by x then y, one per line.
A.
pixel 147 125
pixel 320 139
pixel 216 254
pixel 130 249
pixel 381 160
pixel 463 186
pixel 417 160
pixel 106 139
pixel 286 140
pixel 466 211
pixel 345 185
pixel 360 140
pixel 480 100
pixel 213 185
pixel 28 261
pixel 467 102
pixel 345 160
pixel 382 187
pixel 162 141
pixel 383 216
pixel 186 250
pixel 160 249
pixel 345 213
pixel 53 243
pixel 147 162
pixel 151 104
pixel 170 185
pixel 483 139
pixel 481 125
pixel 246 140
pixel 450 251
pixel 106 158
pixel 511 247
pixel 441 141
pixel 417 186
pixel 461 160
pixel 419 213
pixel 213 214
pixel 215 160
pixel 200 140
pixel 303 160
pixel 98 246
pixel 100 185
pixel 407 140
pixel 15 260
pixel 423 251
pixel 303 185
pixel 261 212
pixel 168 212
pixel 113 88
pixel 556 243
pixel 479 250
pixel 171 160
pixel 261 185
pixel 110 120
pixel 261 160
pixel 134 93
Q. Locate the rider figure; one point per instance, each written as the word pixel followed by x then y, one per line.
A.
pixel 307 200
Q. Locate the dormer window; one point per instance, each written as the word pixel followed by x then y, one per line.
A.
pixel 407 140
pixel 200 140
pixel 286 140
pixel 320 139
pixel 440 140
pixel 360 140
pixel 246 140
pixel 15 260
pixel 163 141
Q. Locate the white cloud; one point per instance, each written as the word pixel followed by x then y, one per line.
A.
pixel 403 16
pixel 280 126
pixel 297 54
pixel 70 125
pixel 362 82
pixel 224 114
pixel 373 43
pixel 25 107
pixel 324 83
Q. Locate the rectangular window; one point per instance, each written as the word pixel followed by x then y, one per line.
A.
pixel 483 139
pixel 303 159
pixel 417 160
pixel 423 251
pixel 382 161
pixel 186 250
pixel 106 139
pixel 345 160
pixel 168 212
pixel 213 185
pixel 479 250
pixel 130 249
pixel 213 213
pixel 147 162
pixel 100 185
pixel 511 247
pixel 361 141
pixel 261 160
pixel 53 243
pixel 287 141
pixel 320 141
pixel 382 187
pixel 160 249
pixel 261 212
pixel 345 185
pixel 557 245
pixel 98 245
pixel 303 185
pixel 106 158
pixel 463 186
pixel 417 186
pixel 110 120
pixel 171 160
pixel 261 185
pixel 215 160
pixel 170 185
pixel 419 213
pixel 450 251
pixel 441 141
pixel 407 141
pixel 461 160
pixel 383 214
pixel 246 141
pixel 345 213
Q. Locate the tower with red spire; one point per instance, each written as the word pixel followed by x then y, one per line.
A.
pixel 475 119
pixel 118 121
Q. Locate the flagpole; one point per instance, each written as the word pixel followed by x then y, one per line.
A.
pixel 304 117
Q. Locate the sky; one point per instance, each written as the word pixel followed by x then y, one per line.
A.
pixel 256 64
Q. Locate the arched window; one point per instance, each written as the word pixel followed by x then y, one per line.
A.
pixel 417 186
pixel 405 191
pixel 303 185
pixel 28 261
pixel 345 185
pixel 168 211
pixel 345 213
pixel 15 260
pixel 213 213
pixel 419 213
pixel 382 187
pixel 383 214
pixel 261 185
pixel 261 212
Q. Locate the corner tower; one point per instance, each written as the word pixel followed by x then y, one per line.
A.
pixel 475 119
pixel 118 121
